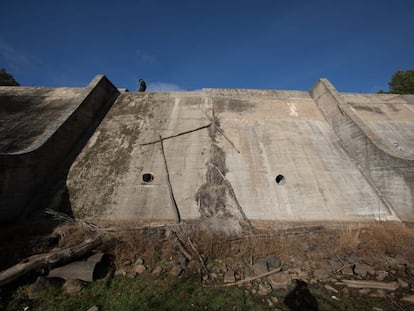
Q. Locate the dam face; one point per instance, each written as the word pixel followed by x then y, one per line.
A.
pixel 226 156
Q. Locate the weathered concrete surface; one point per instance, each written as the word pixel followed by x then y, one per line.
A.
pixel 224 171
pixel 41 132
pixel 378 133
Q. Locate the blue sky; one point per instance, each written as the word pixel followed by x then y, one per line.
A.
pixel 188 45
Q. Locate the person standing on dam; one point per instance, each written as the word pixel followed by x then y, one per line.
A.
pixel 142 86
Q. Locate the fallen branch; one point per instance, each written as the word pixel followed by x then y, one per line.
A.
pixel 51 259
pixel 181 247
pixel 176 135
pixel 395 303
pixel 198 255
pixel 345 266
pixel 176 210
pixel 369 284
pixel 251 278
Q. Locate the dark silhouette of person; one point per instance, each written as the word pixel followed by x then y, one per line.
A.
pixel 142 86
pixel 301 299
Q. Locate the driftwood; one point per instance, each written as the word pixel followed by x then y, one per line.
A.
pixel 251 278
pixel 198 255
pixel 170 189
pixel 181 247
pixel 369 284
pixel 51 259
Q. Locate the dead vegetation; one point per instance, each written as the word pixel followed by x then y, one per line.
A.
pixel 127 241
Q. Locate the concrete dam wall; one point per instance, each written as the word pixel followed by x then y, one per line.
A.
pixel 229 157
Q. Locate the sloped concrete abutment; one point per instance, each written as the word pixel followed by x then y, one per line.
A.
pixel 42 130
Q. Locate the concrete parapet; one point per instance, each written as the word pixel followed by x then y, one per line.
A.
pixel 386 165
pixel 44 130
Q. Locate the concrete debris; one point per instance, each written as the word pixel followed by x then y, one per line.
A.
pixel 229 277
pixel 264 289
pixel 176 270
pixel 140 269
pixel 279 280
pixel 42 286
pixel 74 286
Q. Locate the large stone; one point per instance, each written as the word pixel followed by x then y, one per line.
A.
pixel 363 270
pixel 74 286
pixel 229 277
pixel 279 280
pixel 176 271
pixel 157 271
pixel 273 262
pixel 140 269
pixel 264 289
pixel 402 283
pixel 381 275
pixel 260 267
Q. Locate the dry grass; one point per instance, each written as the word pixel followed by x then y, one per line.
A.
pixel 127 241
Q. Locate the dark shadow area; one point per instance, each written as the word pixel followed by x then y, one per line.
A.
pixel 38 178
pixel 301 299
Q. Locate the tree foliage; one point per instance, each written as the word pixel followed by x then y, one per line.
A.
pixel 402 82
pixel 7 79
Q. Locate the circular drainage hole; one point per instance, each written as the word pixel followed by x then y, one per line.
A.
pixel 280 179
pixel 147 178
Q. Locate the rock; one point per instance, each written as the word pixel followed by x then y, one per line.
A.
pixel 213 276
pixel 347 271
pixel 41 286
pixel 363 270
pixel 94 308
pixel 74 286
pixel 345 292
pixel 364 291
pixel 182 261
pixel 402 283
pixel 321 274
pixel 264 289
pixel 279 280
pixel 274 300
pixel 157 271
pixel 260 267
pixel 379 293
pixel 330 288
pixel 229 277
pixel 139 261
pixel 140 269
pixel 120 272
pixel 409 299
pixel 272 262
pixel 335 264
pixel 176 271
pixel 377 309
pixel 381 275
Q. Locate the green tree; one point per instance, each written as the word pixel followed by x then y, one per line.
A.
pixel 402 82
pixel 7 79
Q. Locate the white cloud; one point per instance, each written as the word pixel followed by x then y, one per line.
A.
pixel 163 87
